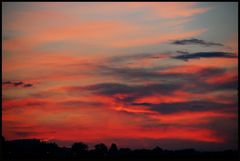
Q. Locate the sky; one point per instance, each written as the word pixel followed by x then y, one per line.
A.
pixel 138 74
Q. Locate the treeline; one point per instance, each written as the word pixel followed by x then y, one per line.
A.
pixel 33 148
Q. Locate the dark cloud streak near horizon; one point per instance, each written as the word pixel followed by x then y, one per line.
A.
pixel 17 84
pixel 132 92
pixel 215 54
pixel 193 106
pixel 195 41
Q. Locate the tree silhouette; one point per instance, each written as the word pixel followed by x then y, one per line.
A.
pixel 157 151
pixel 3 152
pixel 113 150
pixel 79 149
pixel 36 149
pixel 101 149
pixel 2 139
pixel 49 149
pixel 125 151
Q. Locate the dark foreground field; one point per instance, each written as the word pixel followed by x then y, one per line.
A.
pixel 36 150
pixel 126 159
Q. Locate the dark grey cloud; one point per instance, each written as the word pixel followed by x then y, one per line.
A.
pixel 231 84
pixel 81 103
pixel 212 54
pixel 202 86
pixel 195 41
pixel 136 57
pixel 184 81
pixel 27 104
pixel 111 88
pixel 132 92
pixel 24 134
pixel 211 71
pixel 140 74
pixel 187 82
pixel 7 82
pixel 227 126
pixel 193 106
pixel 28 132
pixel 28 85
pixel 228 85
pixel 36 103
pixel 17 84
pixel 157 75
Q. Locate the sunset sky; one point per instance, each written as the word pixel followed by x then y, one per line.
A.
pixel 140 74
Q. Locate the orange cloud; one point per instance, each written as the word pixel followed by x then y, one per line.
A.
pixel 168 10
pixel 191 118
pixel 223 78
pixel 188 69
pixel 155 38
pixel 177 9
pixel 98 32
